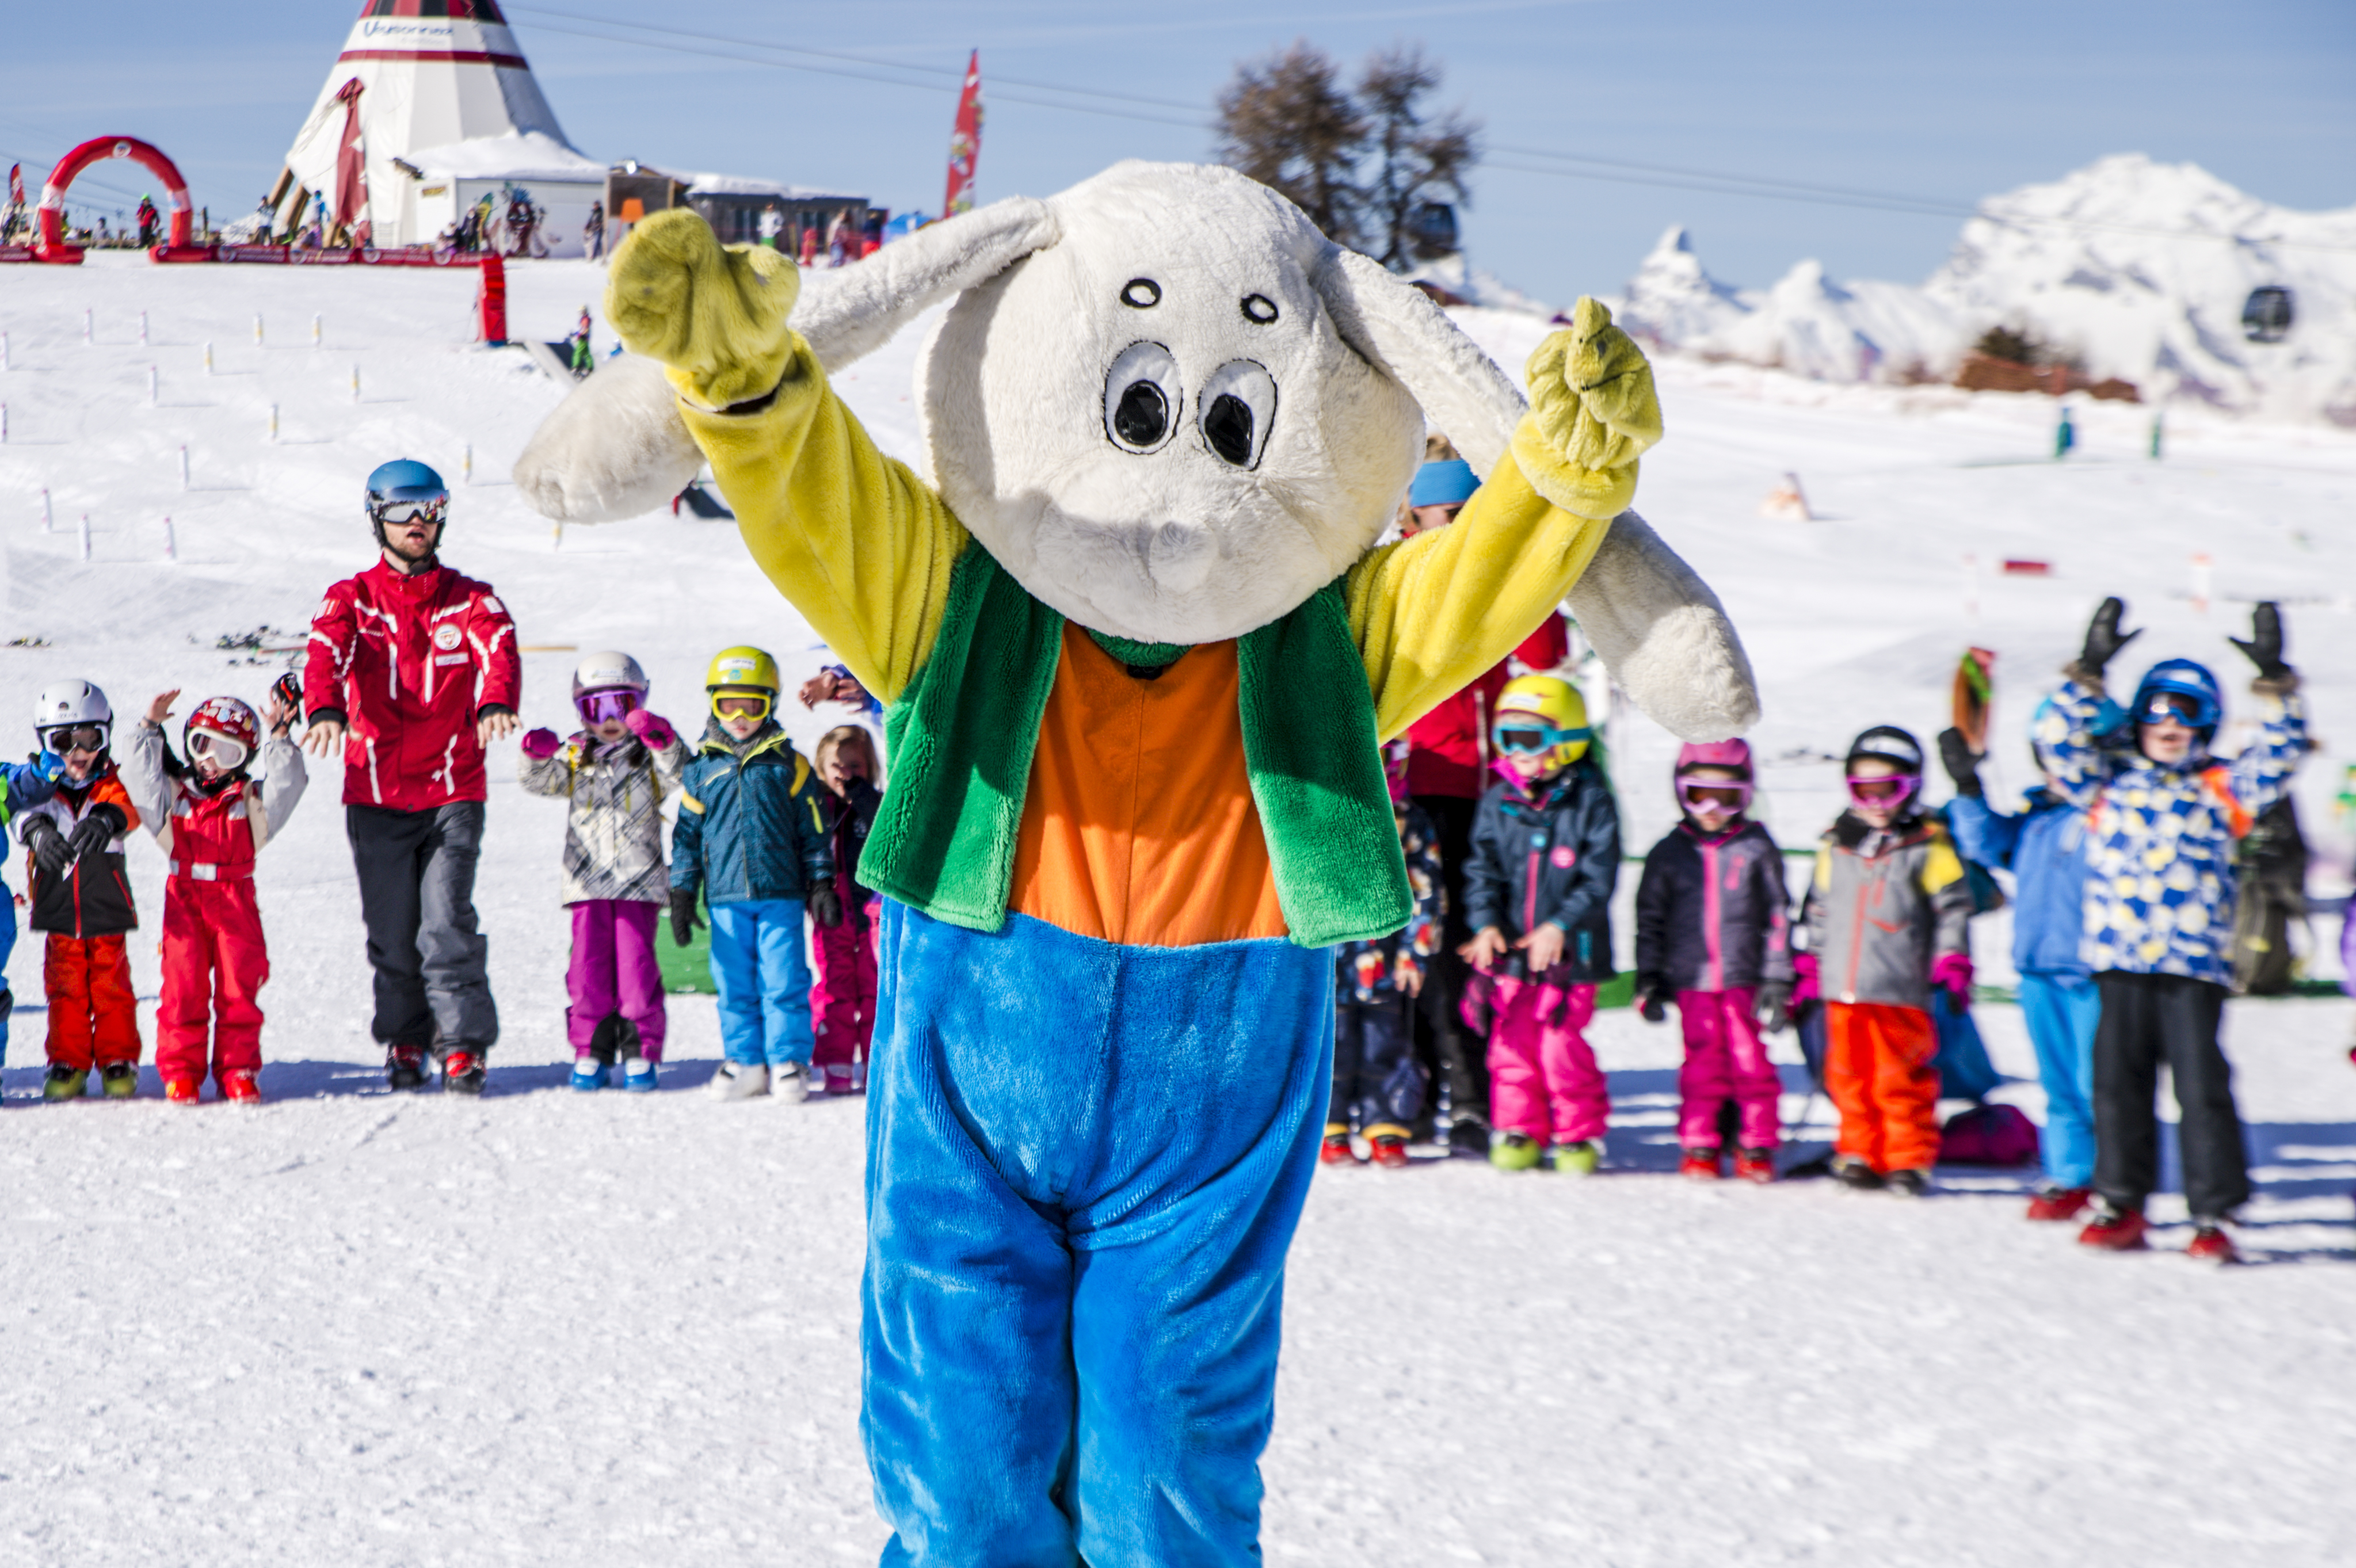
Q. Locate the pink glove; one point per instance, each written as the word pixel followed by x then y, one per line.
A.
pixel 540 744
pixel 651 728
pixel 1953 971
pixel 1804 978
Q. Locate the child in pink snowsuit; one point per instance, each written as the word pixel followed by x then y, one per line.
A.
pixel 842 999
pixel 615 772
pixel 1538 893
pixel 1714 936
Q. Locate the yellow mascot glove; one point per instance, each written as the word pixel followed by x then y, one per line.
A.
pixel 1593 413
pixel 717 317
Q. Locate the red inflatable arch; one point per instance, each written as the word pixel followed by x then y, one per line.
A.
pixel 52 246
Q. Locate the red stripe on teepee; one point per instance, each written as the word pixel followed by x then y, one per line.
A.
pixel 455 56
pixel 455 10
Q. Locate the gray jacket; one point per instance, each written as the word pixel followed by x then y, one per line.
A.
pixel 1881 907
pixel 613 834
pixel 160 798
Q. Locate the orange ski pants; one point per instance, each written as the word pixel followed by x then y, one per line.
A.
pixel 1880 1068
pixel 93 1017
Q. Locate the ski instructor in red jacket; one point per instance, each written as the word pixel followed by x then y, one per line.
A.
pixel 413 671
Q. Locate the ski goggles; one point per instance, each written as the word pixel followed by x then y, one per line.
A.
pixel 75 737
pixel 1695 795
pixel 2189 709
pixel 224 753
pixel 742 704
pixel 396 514
pixel 1523 738
pixel 1887 789
pixel 602 707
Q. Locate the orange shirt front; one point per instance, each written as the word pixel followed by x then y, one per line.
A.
pixel 1138 825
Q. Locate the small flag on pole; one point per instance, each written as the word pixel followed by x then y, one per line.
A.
pixel 965 142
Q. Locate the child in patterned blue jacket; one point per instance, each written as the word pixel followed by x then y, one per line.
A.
pixel 2164 817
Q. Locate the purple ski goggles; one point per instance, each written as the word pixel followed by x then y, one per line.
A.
pixel 610 703
pixel 1732 794
pixel 1889 789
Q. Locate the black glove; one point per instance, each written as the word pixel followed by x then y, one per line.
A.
pixel 2265 648
pixel 1962 763
pixel 682 916
pixel 1774 1002
pixel 2103 639
pixel 94 834
pixel 824 904
pixel 48 846
pixel 1652 998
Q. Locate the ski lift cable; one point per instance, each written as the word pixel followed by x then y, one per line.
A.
pixel 1664 177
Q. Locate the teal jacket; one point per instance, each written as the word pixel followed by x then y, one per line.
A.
pixel 750 825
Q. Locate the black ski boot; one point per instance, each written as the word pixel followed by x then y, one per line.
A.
pixel 404 1066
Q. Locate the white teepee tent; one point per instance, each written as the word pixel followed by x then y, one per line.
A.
pixel 433 99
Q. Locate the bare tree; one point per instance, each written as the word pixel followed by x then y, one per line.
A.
pixel 1288 123
pixel 1417 157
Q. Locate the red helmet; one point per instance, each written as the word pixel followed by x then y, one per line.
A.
pixel 223 718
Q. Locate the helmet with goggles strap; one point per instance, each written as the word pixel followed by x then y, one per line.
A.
pixel 224 729
pixel 736 673
pixel 1541 713
pixel 607 685
pixel 2182 691
pixel 404 491
pixel 1723 756
pixel 1901 753
pixel 73 712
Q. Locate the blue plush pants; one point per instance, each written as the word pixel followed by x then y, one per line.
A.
pixel 763 977
pixel 1084 1163
pixel 7 947
pixel 2062 1011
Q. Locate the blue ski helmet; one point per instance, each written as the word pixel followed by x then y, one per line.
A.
pixel 397 489
pixel 1445 484
pixel 2180 678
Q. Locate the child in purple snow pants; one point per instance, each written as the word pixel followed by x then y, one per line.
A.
pixel 612 774
pixel 842 997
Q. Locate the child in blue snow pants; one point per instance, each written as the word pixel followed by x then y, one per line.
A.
pixel 1070 1322
pixel 763 977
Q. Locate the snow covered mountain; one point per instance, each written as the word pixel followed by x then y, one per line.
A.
pixel 2135 269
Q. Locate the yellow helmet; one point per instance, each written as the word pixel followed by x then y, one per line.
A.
pixel 1541 713
pixel 745 668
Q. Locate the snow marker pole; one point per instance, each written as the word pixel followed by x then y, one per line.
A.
pixel 209 356
pixel 184 465
pixel 2155 413
pixel 356 383
pixel 151 386
pixel 314 332
pixel 274 423
pixel 143 329
pixel 257 329
pixel 2201 582
pixel 4 424
pixel 4 351
pixel 48 523
pixel 171 542
pixel 467 466
pixel 85 536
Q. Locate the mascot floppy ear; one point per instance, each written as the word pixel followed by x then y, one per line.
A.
pixel 1658 628
pixel 617 446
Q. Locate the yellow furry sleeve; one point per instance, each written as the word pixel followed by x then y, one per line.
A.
pixel 1433 612
pixel 857 543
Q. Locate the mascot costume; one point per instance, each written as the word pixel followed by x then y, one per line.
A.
pixel 1139 652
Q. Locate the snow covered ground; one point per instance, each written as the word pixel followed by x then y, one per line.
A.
pixel 548 1328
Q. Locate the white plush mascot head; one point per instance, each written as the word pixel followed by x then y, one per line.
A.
pixel 1172 410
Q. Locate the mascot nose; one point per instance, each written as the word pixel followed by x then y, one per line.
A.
pixel 1179 557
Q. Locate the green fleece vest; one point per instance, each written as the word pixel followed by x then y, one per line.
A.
pixel 963 733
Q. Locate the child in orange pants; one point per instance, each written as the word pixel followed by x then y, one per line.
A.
pixel 1886 917
pixel 211 819
pixel 80 896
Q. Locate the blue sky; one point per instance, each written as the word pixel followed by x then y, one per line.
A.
pixel 1930 99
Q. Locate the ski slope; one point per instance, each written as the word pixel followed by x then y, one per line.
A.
pixel 545 1327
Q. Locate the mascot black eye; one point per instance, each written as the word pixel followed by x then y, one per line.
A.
pixel 1141 398
pixel 1238 406
pixel 1141 294
pixel 1260 308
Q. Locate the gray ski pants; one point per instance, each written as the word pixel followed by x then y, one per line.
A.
pixel 417 898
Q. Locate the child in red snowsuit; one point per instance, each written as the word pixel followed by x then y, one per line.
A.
pixel 843 1001
pixel 210 817
pixel 1713 935
pixel 80 896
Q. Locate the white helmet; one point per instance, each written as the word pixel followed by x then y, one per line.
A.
pixel 69 705
pixel 608 671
